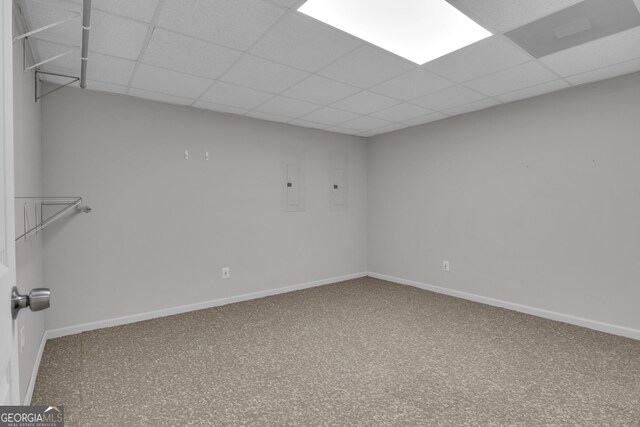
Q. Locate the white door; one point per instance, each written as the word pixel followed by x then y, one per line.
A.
pixel 9 394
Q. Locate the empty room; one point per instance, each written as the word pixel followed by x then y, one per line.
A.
pixel 320 212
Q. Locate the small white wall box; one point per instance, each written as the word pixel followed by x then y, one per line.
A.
pixel 338 181
pixel 293 183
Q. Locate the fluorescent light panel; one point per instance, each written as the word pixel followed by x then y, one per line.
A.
pixel 418 30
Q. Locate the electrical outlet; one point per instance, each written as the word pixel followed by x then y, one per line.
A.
pixel 226 272
pixel 22 339
pixel 445 266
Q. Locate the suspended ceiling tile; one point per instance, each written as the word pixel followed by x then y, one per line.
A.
pixel 385 129
pixel 415 83
pixel 71 5
pixel 365 103
pixel 260 74
pixel 367 66
pixel 110 34
pixel 401 112
pixel 160 97
pixel 606 73
pixel 109 69
pixel 365 123
pixel 116 36
pixel 448 98
pixel 479 59
pixel 604 52
pixel 44 49
pixel 320 90
pixel 330 116
pixel 232 23
pixel 268 116
pixel 533 91
pixel 106 87
pixel 219 108
pixel 576 25
pixel 188 55
pixel 518 77
pixel 338 129
pixel 169 82
pixel 287 3
pixel 425 119
pixel 38 15
pixel 102 68
pixel 141 10
pixel 308 124
pixel 287 107
pixel 501 15
pixel 235 96
pixel 302 42
pixel 474 106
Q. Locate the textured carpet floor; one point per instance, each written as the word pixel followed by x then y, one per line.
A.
pixel 358 353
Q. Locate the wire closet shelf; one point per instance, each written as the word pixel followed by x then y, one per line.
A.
pixel 38 206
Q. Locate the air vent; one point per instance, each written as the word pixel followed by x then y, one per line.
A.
pixel 576 25
pixel 572 28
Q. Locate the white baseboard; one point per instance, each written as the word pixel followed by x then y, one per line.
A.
pixel 547 314
pixel 34 373
pixel 71 330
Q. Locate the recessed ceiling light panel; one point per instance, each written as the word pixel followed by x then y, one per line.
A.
pixel 418 30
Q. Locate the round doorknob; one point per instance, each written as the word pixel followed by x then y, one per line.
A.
pixel 38 299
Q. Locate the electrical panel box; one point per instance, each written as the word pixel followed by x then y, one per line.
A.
pixel 293 184
pixel 338 187
pixel 338 181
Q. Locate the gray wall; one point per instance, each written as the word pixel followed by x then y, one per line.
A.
pixel 162 227
pixel 28 182
pixel 536 202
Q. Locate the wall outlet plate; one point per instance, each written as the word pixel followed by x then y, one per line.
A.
pixel 226 272
pixel 445 266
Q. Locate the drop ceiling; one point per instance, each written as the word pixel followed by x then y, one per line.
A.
pixel 263 59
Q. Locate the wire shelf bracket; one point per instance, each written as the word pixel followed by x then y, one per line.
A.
pixel 63 205
pixel 46 27
pixel 84 54
pixel 27 67
pixel 42 95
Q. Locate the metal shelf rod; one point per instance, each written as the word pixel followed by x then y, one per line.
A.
pixel 69 203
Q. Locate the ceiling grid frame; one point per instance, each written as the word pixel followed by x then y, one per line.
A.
pixel 500 34
pixel 145 44
pixel 244 54
pixel 482 100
